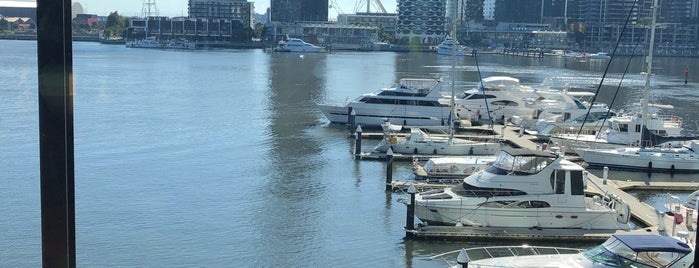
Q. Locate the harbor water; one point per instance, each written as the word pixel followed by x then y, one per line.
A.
pixel 220 158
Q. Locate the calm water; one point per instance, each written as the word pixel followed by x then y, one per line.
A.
pixel 220 158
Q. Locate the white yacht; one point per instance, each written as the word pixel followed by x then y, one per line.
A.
pixel 620 250
pixel 451 167
pixel 145 43
pixel 450 46
pixel 506 99
pixel 180 43
pixel 413 101
pixel 421 142
pixel 672 159
pixel 620 130
pixel 524 189
pixel 297 45
pixel 644 156
pixel 599 56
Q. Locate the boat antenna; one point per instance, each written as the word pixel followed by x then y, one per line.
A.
pixel 606 69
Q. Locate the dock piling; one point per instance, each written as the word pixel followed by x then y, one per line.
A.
pixel 389 170
pixel 605 173
pixel 358 142
pixel 351 114
pixel 410 216
pixel 463 258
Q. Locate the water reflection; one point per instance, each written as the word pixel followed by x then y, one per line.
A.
pixel 292 188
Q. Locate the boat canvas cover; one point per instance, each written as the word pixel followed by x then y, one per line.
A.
pixel 640 243
pixel 527 152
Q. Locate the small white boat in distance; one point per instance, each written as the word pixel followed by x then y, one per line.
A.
pixel 599 56
pixel 421 142
pixel 145 43
pixel 447 47
pixel 297 45
pixel 620 250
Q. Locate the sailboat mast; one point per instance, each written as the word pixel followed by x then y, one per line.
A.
pixel 649 63
pixel 453 76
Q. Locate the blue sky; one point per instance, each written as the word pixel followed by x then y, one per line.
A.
pixel 173 8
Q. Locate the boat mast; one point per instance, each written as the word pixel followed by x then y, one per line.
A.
pixel 453 77
pixel 649 63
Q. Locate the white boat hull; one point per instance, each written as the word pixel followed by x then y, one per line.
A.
pixel 373 115
pixel 474 214
pixel 665 159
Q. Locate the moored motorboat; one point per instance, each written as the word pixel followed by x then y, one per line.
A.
pixel 450 46
pixel 524 189
pixel 411 102
pixel 421 142
pixel 297 45
pixel 620 250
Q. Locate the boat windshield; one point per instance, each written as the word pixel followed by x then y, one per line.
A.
pixel 614 253
pixel 526 164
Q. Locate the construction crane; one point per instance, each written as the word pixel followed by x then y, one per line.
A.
pixel 149 9
pixel 334 5
pixel 366 4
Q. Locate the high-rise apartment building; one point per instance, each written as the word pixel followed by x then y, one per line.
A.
pixel 425 19
pixel 239 10
pixel 299 10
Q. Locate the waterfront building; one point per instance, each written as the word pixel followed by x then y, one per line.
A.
pixel 18 9
pixel 328 34
pixel 231 10
pixel 422 19
pixel 384 21
pixel 298 10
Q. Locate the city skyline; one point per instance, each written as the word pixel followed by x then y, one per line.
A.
pixel 176 8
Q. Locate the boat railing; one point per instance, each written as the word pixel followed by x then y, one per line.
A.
pixel 480 253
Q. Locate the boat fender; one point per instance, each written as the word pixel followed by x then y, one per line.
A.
pixel 678 218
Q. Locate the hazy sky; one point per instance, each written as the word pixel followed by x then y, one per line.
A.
pixel 171 8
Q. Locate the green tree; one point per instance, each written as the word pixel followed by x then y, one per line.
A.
pixel 4 25
pixel 115 25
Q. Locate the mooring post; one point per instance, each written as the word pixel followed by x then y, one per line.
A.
pixel 463 258
pixel 410 216
pixel 605 174
pixel 389 170
pixel 661 221
pixel 351 114
pixel 358 142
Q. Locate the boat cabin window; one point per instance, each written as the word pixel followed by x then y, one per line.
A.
pixel 505 103
pixel 638 128
pixel 614 253
pixel 579 104
pixel 468 190
pixel 479 96
pixel 558 181
pixel 577 186
pixel 623 128
pixel 519 165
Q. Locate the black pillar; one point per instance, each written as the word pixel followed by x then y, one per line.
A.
pixel 55 61
pixel 410 216
pixel 389 170
pixel 358 143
